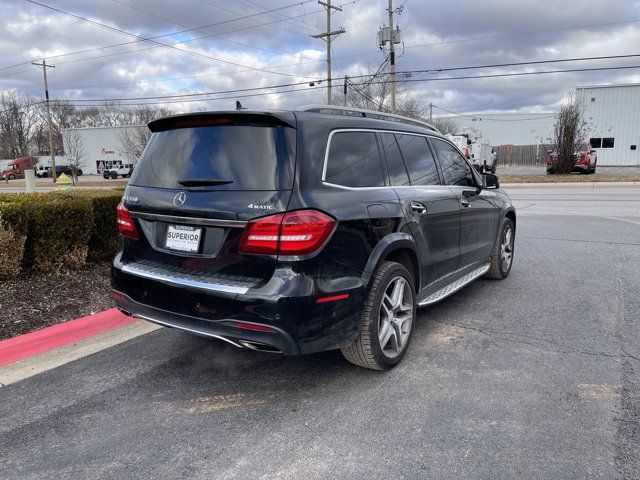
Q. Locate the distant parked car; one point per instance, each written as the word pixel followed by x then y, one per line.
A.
pixel 585 159
pixel 123 171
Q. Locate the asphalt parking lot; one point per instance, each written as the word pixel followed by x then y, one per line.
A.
pixel 537 376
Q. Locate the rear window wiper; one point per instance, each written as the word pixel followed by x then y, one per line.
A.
pixel 201 182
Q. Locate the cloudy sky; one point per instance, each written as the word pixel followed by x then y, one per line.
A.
pixel 211 46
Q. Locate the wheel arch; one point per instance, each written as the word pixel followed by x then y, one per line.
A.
pixel 511 215
pixel 398 247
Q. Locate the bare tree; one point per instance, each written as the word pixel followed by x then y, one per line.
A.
pixel 569 129
pixel 74 151
pixel 373 92
pixel 18 124
pixel 133 141
pixel 446 125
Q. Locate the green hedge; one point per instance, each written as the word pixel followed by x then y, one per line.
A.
pixel 103 241
pixel 59 230
pixel 13 235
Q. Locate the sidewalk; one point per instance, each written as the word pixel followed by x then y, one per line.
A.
pixel 571 185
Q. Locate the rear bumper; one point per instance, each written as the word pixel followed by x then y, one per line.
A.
pixel 276 342
pixel 288 304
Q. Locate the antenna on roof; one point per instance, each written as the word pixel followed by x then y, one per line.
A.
pixel 239 106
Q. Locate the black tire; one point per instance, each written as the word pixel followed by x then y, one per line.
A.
pixel 12 177
pixel 105 176
pixel 114 175
pixel 366 351
pixel 79 173
pixel 498 269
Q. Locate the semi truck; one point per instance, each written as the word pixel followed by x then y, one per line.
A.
pixel 17 168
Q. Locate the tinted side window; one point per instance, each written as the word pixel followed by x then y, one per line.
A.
pixel 397 170
pixel 419 160
pixel 354 160
pixel 454 167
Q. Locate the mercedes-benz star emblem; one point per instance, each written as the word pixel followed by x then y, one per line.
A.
pixel 179 199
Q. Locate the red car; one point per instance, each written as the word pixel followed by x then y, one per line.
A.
pixel 586 159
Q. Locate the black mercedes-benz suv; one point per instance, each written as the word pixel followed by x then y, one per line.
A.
pixel 306 230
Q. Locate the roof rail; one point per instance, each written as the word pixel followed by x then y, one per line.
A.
pixel 360 112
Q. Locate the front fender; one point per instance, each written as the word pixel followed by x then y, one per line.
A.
pixel 386 246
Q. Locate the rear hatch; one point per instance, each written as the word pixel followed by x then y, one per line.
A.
pixel 199 180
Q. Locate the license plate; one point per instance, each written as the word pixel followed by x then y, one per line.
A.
pixel 183 238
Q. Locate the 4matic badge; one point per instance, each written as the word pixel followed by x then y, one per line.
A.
pixel 260 207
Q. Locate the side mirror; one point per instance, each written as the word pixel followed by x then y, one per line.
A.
pixel 592 151
pixel 491 180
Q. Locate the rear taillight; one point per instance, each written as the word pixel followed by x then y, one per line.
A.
pixel 295 233
pixel 126 228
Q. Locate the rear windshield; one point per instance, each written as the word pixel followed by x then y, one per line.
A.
pixel 226 157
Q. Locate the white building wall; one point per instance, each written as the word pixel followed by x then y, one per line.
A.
pixel 102 148
pixel 613 111
pixel 509 128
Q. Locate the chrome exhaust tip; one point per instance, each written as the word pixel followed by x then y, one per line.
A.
pixel 259 347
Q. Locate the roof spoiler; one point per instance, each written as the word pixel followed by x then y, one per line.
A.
pixel 207 119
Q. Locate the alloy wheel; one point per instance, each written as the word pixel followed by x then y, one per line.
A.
pixel 506 249
pixel 396 317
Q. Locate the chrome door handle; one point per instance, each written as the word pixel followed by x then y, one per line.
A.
pixel 464 202
pixel 419 208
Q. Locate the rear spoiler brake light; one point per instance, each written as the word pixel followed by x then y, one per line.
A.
pixel 221 118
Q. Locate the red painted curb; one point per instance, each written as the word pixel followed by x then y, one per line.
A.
pixel 24 346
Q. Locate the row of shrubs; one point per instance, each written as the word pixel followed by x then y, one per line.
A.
pixel 42 232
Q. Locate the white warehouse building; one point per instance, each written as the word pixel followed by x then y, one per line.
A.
pixel 612 114
pixel 508 128
pixel 101 146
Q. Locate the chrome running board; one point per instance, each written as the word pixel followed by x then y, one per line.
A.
pixel 455 286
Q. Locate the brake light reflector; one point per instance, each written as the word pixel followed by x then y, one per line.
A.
pixel 299 232
pixel 255 327
pixel 126 228
pixel 332 298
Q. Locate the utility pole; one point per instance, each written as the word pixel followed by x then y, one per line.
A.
pixel 431 112
pixel 392 60
pixel 328 36
pixel 44 67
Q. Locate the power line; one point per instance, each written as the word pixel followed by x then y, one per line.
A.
pixel 271 15
pixel 153 37
pixel 374 52
pixel 190 97
pixel 371 78
pixel 154 47
pixel 531 32
pixel 173 22
pixel 494 119
pixel 150 40
pixel 431 70
pixel 78 52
